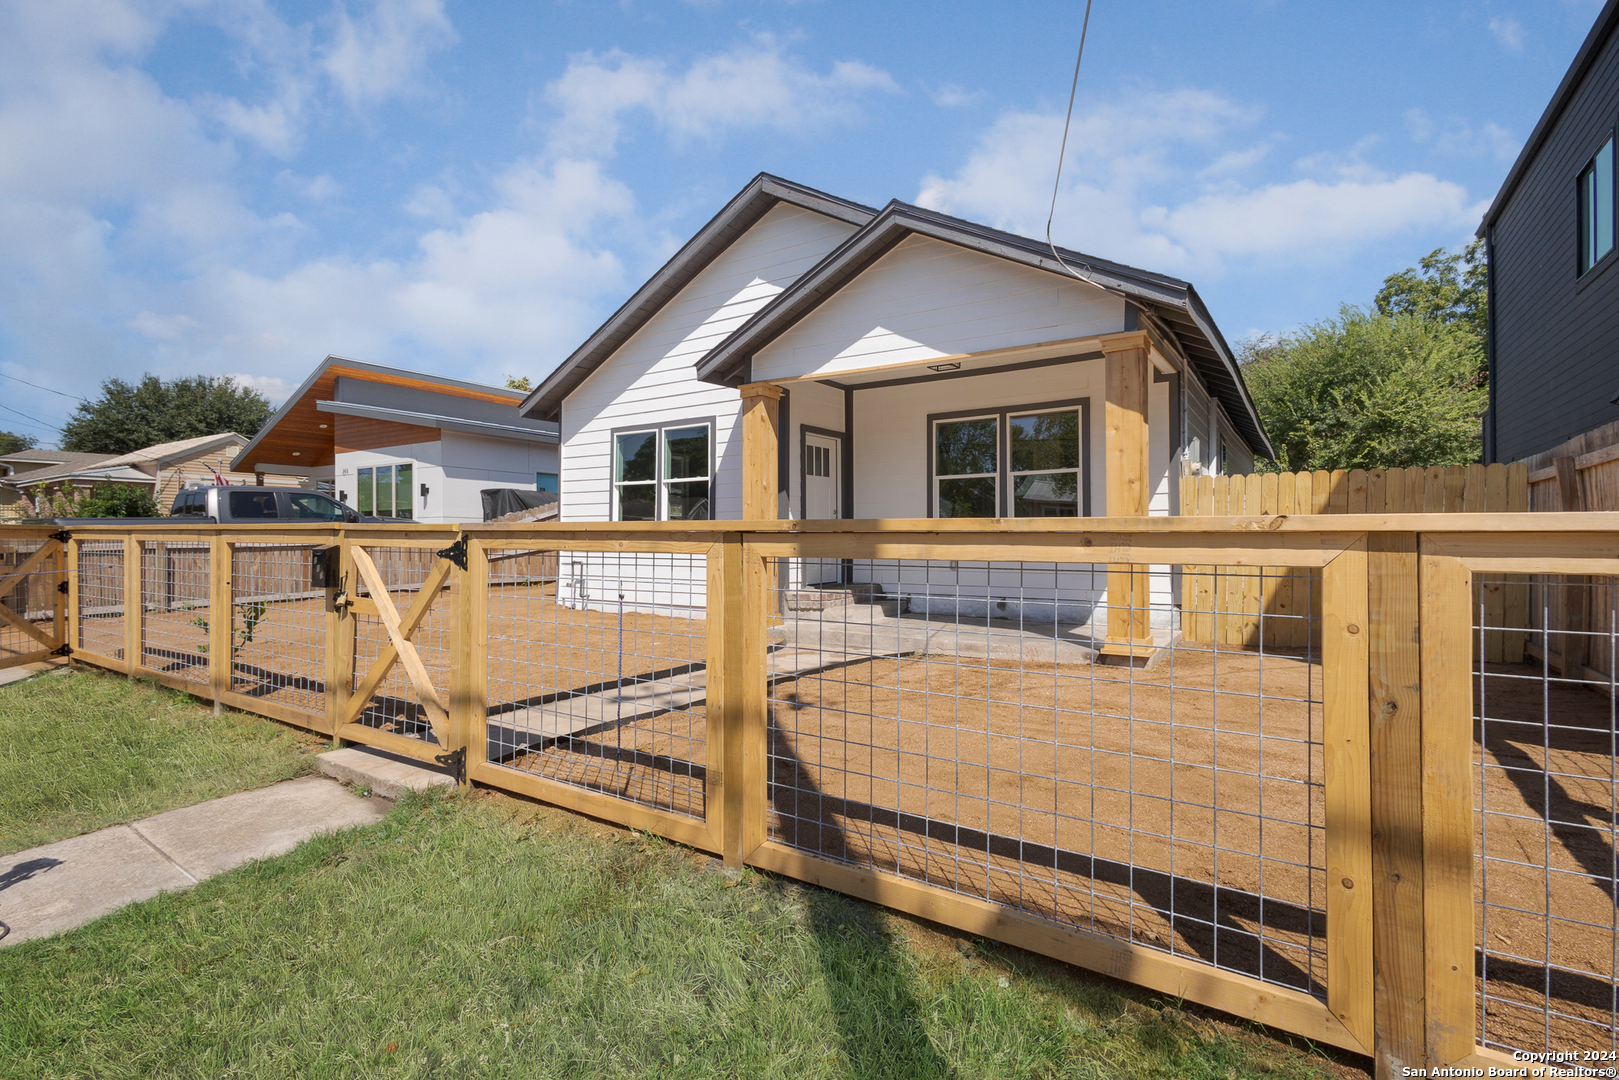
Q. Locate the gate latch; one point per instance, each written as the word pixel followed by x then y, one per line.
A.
pixel 62 650
pixel 61 586
pixel 456 553
pixel 61 536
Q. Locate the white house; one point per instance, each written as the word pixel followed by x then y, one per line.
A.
pixel 897 364
pixel 406 444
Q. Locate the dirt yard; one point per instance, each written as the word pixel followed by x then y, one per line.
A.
pixel 1181 808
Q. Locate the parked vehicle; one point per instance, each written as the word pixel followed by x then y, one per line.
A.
pixel 223 505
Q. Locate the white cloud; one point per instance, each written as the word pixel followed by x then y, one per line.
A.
pixel 951 96
pixel 273 387
pixel 1508 31
pixel 384 51
pixel 754 85
pixel 1132 190
pixel 1461 139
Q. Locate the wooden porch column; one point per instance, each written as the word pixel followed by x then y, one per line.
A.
pixel 760 443
pixel 1129 373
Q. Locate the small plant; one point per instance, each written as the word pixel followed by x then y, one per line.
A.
pixel 252 615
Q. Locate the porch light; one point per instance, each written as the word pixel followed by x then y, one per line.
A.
pixel 944 367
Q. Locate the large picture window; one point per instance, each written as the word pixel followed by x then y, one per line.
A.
pixel 1014 462
pixel 664 473
pixel 1596 207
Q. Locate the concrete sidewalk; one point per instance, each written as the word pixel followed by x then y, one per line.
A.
pixel 48 889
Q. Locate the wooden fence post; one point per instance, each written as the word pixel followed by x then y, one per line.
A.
pixel 1345 756
pixel 70 601
pixel 1394 707
pixel 220 613
pixel 1447 808
pixel 134 605
pixel 469 651
pixel 341 627
pixel 724 794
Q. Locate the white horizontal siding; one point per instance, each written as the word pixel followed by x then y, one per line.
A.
pixel 813 405
pixel 651 378
pixel 927 299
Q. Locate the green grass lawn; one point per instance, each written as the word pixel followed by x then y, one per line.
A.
pixel 81 750
pixel 484 936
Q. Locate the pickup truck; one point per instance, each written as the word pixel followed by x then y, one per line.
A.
pixel 239 506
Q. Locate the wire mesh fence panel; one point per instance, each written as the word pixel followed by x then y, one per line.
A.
pixel 176 609
pixel 30 597
pixel 395 705
pixel 598 672
pixel 956 723
pixel 1546 816
pixel 278 625
pixel 101 598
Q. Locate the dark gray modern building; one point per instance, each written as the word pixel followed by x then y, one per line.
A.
pixel 1554 285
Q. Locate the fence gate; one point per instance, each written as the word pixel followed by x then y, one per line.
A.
pixel 401 620
pixel 33 598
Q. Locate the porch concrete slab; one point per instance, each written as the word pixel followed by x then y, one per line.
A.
pixel 387 775
pixel 215 836
pixel 863 630
pixel 49 889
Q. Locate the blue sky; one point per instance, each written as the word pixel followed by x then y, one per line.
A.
pixel 239 187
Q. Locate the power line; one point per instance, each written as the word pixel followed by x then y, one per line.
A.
pixel 1063 152
pixel 47 389
pixel 31 419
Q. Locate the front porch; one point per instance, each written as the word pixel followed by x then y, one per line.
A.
pixel 1072 428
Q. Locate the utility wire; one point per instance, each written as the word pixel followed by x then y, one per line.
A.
pixel 1062 153
pixel 36 386
pixel 31 419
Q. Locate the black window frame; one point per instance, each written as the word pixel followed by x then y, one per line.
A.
pixel 1609 143
pixel 1003 453
pixel 660 483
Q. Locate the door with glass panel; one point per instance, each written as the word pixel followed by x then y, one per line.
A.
pixel 823 499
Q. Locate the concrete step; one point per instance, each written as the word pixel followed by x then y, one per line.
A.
pixel 384 774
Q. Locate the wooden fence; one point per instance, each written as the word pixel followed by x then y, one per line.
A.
pixel 1241 605
pixel 715 731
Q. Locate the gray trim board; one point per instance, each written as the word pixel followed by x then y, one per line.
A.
pixel 445 423
pixel 758 198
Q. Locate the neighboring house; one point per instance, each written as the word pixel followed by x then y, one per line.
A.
pixel 894 364
pixel 400 443
pixel 163 470
pixel 13 467
pixel 1554 285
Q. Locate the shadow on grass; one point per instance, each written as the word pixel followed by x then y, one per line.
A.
pixel 879 1019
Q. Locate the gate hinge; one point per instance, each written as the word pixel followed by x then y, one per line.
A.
pixel 456 762
pixel 61 587
pixel 62 650
pixel 61 536
pixel 456 553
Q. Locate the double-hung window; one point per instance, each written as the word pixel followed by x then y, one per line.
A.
pixel 1596 207
pixel 1015 462
pixel 663 473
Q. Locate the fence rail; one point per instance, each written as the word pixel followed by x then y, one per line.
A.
pixel 1364 827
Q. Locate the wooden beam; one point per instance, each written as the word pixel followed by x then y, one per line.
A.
pixel 724 801
pixel 1125 462
pixel 388 655
pixel 42 553
pixel 761 406
pixel 1345 633
pixel 12 618
pixel 134 606
pixel 1394 711
pixel 1447 808
pixel 221 613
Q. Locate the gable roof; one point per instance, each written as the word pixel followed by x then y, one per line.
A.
pixel 65 463
pixel 53 459
pixel 1174 302
pixel 1605 24
pixel 179 448
pixel 298 423
pixel 763 193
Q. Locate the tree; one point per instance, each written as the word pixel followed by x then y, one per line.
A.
pixel 126 418
pixel 1451 289
pixel 515 382
pixel 12 443
pixel 1369 391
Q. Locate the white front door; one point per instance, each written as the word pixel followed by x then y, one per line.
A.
pixel 823 498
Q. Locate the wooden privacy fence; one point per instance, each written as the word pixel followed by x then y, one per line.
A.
pixel 1226 607
pixel 1338 839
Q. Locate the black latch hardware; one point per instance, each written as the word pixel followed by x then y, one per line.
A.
pixel 456 553
pixel 456 762
pixel 61 586
pixel 62 650
pixel 61 536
